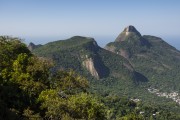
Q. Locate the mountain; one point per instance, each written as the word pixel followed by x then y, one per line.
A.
pixel 151 56
pixel 83 55
pixel 106 71
pixel 32 46
pixel 140 67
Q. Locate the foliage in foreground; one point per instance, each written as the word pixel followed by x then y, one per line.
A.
pixel 28 90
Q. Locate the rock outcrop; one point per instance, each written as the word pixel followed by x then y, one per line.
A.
pixel 128 31
pixel 89 64
pixel 128 42
pixel 32 46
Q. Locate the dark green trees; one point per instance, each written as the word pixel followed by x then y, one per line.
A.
pixel 20 85
pixel 29 90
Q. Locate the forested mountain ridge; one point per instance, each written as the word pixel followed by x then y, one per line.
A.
pixel 82 54
pixel 135 65
pixel 32 46
pixel 151 56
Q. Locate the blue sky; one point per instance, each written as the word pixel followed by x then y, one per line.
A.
pixel 41 21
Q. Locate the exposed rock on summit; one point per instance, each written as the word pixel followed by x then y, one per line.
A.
pixel 128 42
pixel 32 46
pixel 128 31
pixel 130 28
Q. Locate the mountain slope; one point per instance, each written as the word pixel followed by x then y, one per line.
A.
pixel 107 72
pixel 137 67
pixel 83 55
pixel 151 56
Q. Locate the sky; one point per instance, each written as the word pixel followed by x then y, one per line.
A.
pixel 42 21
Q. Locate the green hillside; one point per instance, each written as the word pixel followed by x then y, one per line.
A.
pixel 134 66
pixel 73 52
pixel 152 57
pixel 117 70
pixel 115 74
pixel 67 53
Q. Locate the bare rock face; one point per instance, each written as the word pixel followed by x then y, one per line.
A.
pixel 121 51
pixel 124 53
pixel 130 28
pixel 32 46
pixel 110 48
pixel 89 64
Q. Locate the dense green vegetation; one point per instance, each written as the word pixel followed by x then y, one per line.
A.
pixel 66 53
pixel 114 70
pixel 77 49
pixel 121 76
pixel 30 88
pixel 154 58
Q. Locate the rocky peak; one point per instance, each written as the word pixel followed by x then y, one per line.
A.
pixel 130 28
pixel 32 46
pixel 128 31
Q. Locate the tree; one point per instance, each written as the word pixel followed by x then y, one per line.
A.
pixel 68 98
pixel 19 88
pixel 79 106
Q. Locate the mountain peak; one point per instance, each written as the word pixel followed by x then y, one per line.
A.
pixel 129 30
pixel 32 46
